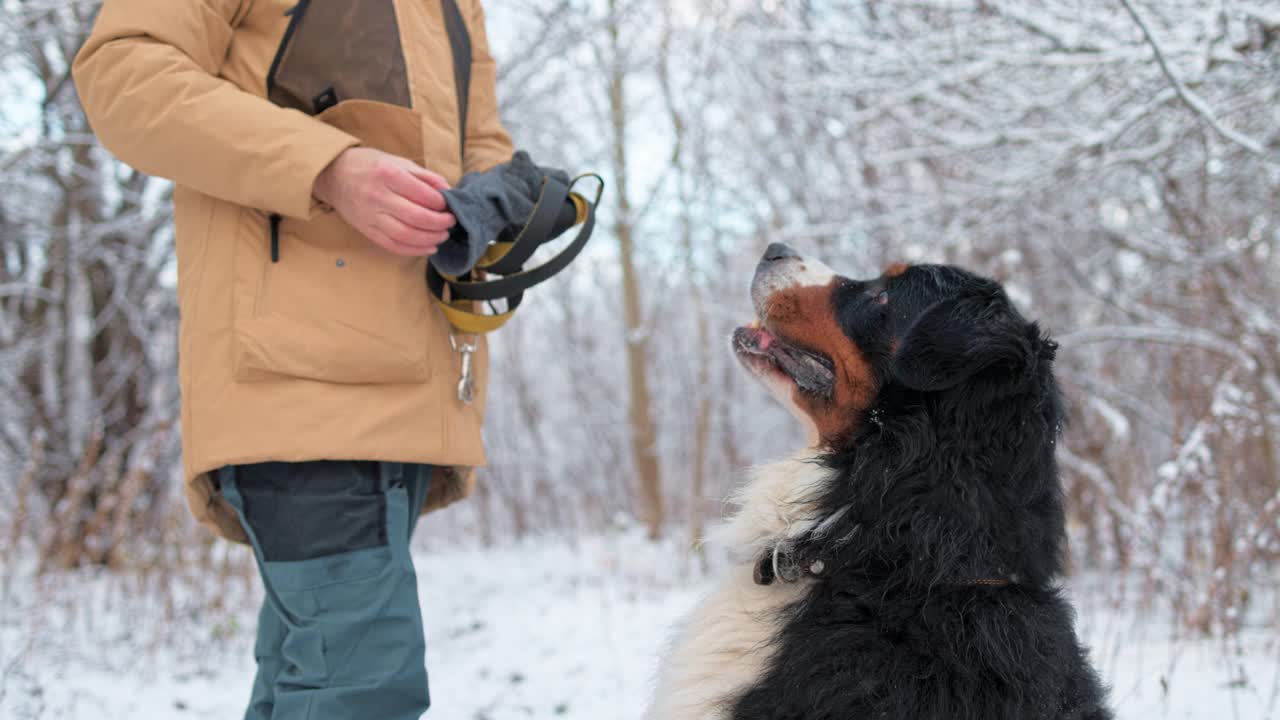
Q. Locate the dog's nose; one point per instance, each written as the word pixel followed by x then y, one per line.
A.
pixel 779 251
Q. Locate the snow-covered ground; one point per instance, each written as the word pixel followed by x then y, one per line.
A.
pixel 539 629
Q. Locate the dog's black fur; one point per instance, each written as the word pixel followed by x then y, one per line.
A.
pixel 945 489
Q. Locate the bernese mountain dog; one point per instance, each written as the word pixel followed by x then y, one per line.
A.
pixel 906 565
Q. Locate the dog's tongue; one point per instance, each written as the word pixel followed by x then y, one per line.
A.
pixel 765 339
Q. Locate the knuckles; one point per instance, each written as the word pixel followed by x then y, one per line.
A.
pixel 385 171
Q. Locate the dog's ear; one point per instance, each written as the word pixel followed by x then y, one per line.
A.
pixel 957 339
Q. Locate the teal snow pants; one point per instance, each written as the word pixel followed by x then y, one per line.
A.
pixel 340 630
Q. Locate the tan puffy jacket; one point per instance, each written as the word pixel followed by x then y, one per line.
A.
pixel 335 351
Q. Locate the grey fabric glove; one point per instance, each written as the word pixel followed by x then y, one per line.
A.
pixel 485 204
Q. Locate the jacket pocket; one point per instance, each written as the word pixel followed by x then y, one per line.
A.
pixel 337 51
pixel 333 307
pixel 336 308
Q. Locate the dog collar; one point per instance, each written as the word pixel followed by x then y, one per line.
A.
pixel 776 563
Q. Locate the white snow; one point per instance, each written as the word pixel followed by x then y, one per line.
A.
pixel 550 628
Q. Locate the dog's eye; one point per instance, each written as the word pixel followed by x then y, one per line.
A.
pixel 881 298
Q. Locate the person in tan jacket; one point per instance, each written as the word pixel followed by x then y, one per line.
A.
pixel 309 141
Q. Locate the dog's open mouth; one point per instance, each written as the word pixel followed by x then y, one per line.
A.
pixel 761 350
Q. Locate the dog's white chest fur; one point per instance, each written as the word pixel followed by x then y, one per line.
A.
pixel 727 642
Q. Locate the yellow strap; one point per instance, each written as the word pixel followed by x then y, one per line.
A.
pixel 495 252
pixel 470 322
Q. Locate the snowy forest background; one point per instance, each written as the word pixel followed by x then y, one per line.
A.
pixel 1116 163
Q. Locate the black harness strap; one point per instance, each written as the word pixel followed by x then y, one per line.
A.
pixel 538 230
pixel 549 212
pixel 558 209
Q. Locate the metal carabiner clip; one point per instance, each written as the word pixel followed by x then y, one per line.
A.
pixel 466 384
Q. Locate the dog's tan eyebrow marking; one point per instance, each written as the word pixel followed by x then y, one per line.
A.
pixel 896 269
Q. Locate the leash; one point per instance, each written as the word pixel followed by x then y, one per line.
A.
pixel 558 209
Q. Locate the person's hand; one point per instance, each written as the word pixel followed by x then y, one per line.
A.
pixel 392 201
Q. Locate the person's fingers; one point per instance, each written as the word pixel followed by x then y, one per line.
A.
pixel 414 189
pixel 378 238
pixel 435 180
pixel 406 237
pixel 400 234
pixel 390 245
pixel 418 217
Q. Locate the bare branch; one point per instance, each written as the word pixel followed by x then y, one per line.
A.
pixel 1190 337
pixel 1189 97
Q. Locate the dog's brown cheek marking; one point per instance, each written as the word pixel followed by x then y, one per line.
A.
pixel 805 316
pixel 896 269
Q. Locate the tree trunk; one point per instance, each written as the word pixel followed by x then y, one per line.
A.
pixel 644 442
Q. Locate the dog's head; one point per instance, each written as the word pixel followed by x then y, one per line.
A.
pixel 830 348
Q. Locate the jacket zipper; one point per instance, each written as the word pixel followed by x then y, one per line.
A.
pixel 295 14
pixel 275 238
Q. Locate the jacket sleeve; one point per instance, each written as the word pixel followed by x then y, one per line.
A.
pixel 148 81
pixel 488 143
